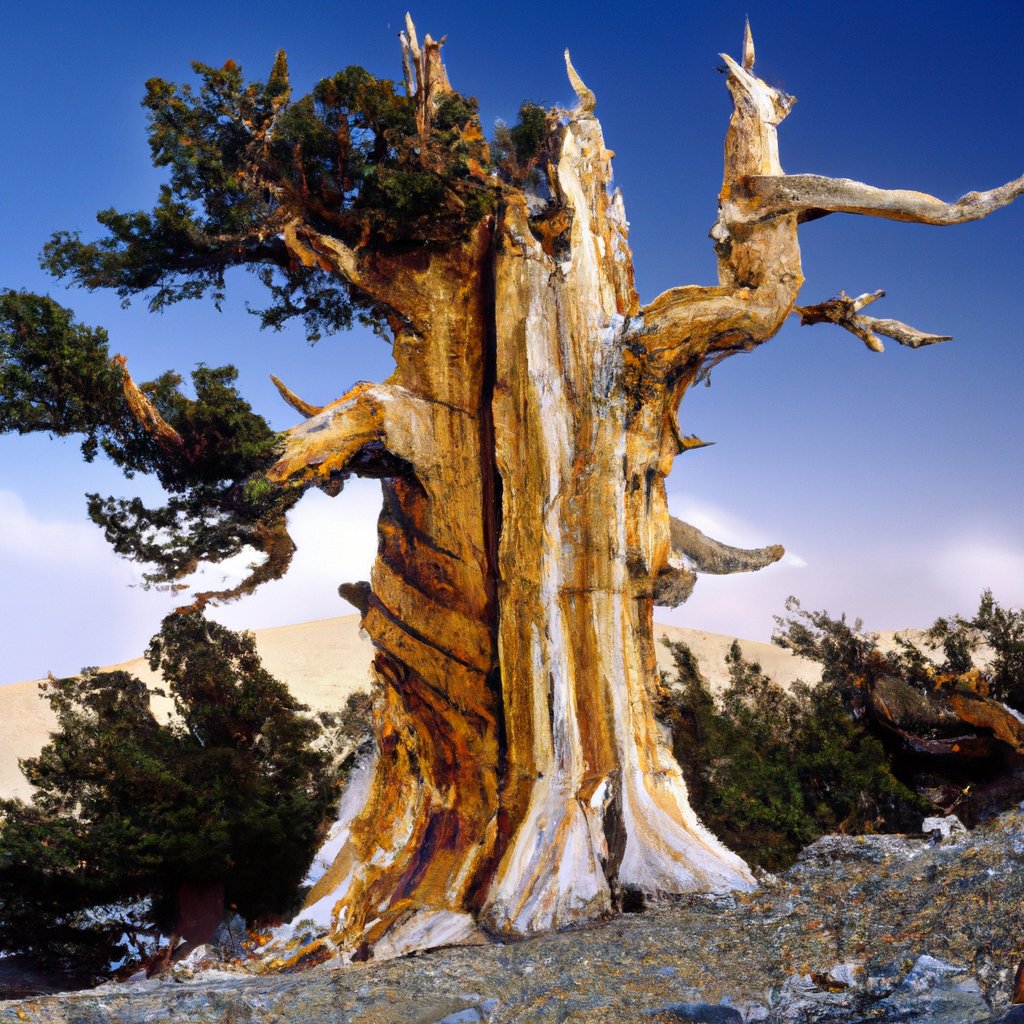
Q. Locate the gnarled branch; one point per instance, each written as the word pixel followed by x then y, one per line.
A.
pixel 772 195
pixel 694 552
pixel 321 449
pixel 845 312
pixel 712 556
pixel 759 270
pixel 313 249
pixel 755 237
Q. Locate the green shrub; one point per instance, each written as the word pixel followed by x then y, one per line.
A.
pixel 1002 631
pixel 771 770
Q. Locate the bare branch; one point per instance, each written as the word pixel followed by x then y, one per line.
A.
pixel 844 312
pixel 407 65
pixel 713 557
pixel 313 249
pixel 294 401
pixel 693 552
pixel 771 195
pixel 759 272
pixel 413 41
pixel 143 410
pixel 425 76
pixel 755 238
pixel 374 430
pixel 326 443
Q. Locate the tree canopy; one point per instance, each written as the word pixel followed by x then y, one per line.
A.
pixel 354 158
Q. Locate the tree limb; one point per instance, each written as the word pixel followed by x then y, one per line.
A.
pixel 349 435
pixel 143 410
pixel 313 249
pixel 845 312
pixel 759 271
pixel 771 195
pixel 712 556
pixel 755 238
pixel 694 552
pixel 387 287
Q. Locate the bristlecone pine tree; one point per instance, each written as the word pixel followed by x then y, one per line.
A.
pixel 522 444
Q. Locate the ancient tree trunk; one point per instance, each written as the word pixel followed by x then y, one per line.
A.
pixel 523 443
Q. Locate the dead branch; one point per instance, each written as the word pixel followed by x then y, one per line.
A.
pixel 705 555
pixel 845 312
pixel 143 410
pixel 759 271
pixel 587 99
pixel 771 195
pixel 294 401
pixel 326 443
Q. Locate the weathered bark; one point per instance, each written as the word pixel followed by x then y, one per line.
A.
pixel 420 852
pixel 523 443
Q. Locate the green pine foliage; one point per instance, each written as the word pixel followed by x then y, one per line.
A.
pixel 243 158
pixel 353 159
pixel 521 151
pixel 56 376
pixel 211 511
pixel 233 790
pixel 999 629
pixel 769 770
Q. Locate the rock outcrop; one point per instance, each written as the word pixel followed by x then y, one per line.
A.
pixel 861 928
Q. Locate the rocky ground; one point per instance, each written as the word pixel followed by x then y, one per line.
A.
pixel 873 928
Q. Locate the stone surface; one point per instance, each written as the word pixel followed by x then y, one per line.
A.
pixel 876 928
pixel 943 827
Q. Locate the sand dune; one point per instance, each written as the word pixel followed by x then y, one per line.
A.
pixel 323 662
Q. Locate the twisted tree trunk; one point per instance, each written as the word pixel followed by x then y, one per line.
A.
pixel 523 443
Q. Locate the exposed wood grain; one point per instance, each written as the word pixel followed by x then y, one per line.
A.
pixel 523 443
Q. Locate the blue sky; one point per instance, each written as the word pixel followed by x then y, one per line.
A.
pixel 894 481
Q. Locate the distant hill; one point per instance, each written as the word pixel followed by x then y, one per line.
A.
pixel 322 662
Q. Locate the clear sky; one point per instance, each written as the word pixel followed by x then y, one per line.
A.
pixel 894 480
